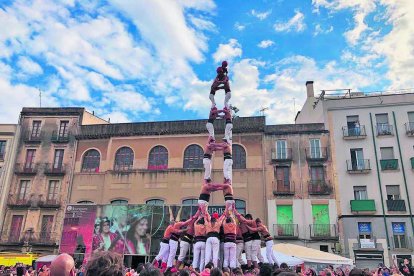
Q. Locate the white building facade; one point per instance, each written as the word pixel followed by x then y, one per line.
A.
pixel 372 148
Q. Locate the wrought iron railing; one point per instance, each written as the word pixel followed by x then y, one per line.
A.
pixel 323 231
pixel 58 137
pixel 282 155
pixel 316 153
pixel 286 231
pixel 384 129
pixel 354 132
pixel 358 165
pixel 282 187
pixel 319 187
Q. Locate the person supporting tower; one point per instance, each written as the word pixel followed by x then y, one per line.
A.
pixel 262 229
pixel 251 249
pixel 199 246
pixel 228 132
pixel 175 235
pixel 228 161
pixel 209 125
pixel 186 240
pixel 164 246
pixel 221 79
pixel 213 224
pixel 239 246
pixel 230 232
pixel 208 153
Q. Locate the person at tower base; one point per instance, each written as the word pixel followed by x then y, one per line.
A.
pixel 199 243
pixel 249 244
pixel 178 228
pixel 230 233
pixel 186 240
pixel 262 229
pixel 164 246
pixel 213 224
pixel 221 82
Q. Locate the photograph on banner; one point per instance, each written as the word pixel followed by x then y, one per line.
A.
pixel 160 221
pixel 138 235
pixel 110 228
pixel 77 233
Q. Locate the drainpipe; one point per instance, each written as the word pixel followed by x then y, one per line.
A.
pixel 304 228
pixel 403 171
pixel 264 178
pixel 379 182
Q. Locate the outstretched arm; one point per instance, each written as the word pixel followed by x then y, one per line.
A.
pixel 253 229
pixel 207 216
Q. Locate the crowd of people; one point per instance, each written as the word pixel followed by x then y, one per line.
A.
pixel 109 263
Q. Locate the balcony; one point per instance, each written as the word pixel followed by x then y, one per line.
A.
pixel 283 188
pixel 363 205
pixel 316 154
pixel 396 205
pixel 52 170
pixel 354 133
pixel 412 162
pixel 367 244
pixel 54 203
pixel 323 231
pixel 31 137
pixel 29 237
pixel 358 166
pixel 385 129
pixel 60 137
pixel 389 164
pixel 15 202
pixel 123 168
pixel 26 168
pixel 284 155
pixel 319 187
pixel 285 231
pixel 409 128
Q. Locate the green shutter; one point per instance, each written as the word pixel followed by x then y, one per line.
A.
pixel 320 213
pixel 284 214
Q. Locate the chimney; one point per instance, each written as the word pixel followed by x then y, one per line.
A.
pixel 309 89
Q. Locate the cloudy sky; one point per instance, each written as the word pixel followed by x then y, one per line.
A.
pixel 135 60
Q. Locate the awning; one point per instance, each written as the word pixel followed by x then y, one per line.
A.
pixel 281 258
pixel 311 255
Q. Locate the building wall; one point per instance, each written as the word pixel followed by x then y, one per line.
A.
pixel 301 201
pixel 9 134
pixel 172 185
pixel 335 112
pixel 39 182
pixel 90 119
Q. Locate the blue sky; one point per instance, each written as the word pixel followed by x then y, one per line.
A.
pixel 154 60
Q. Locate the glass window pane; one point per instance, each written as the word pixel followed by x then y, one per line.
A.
pixel 239 157
pixel 193 157
pixel 158 158
pixel 387 153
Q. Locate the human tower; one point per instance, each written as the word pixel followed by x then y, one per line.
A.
pixel 203 230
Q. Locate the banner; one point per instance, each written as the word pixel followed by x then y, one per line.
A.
pixel 77 233
pixel 125 229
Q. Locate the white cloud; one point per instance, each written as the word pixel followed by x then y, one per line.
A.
pixel 320 30
pixel 296 24
pixel 228 51
pixel 28 66
pixel 239 26
pixel 203 24
pixel 261 15
pixel 130 101
pixel 265 43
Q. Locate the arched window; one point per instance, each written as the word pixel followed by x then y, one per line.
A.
pixel 158 158
pixel 85 202
pixel 193 157
pixel 239 157
pixel 240 206
pixel 155 201
pixel 190 202
pixel 124 159
pixel 91 160
pixel 119 202
pixel 190 207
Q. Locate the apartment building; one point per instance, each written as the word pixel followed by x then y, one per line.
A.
pixel 41 178
pixel 372 139
pixel 9 135
pixel 162 163
pixel 300 197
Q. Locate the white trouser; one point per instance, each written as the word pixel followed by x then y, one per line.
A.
pixel 271 258
pixel 184 247
pixel 248 248
pixel 228 133
pixel 212 250
pixel 230 255
pixel 210 129
pixel 213 102
pixel 173 251
pixel 163 253
pixel 228 169
pixel 198 255
pixel 239 250
pixel 256 254
pixel 226 99
pixel 207 168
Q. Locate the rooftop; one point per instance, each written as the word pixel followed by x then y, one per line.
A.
pixel 338 94
pixel 241 125
pixel 295 129
pixel 47 111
